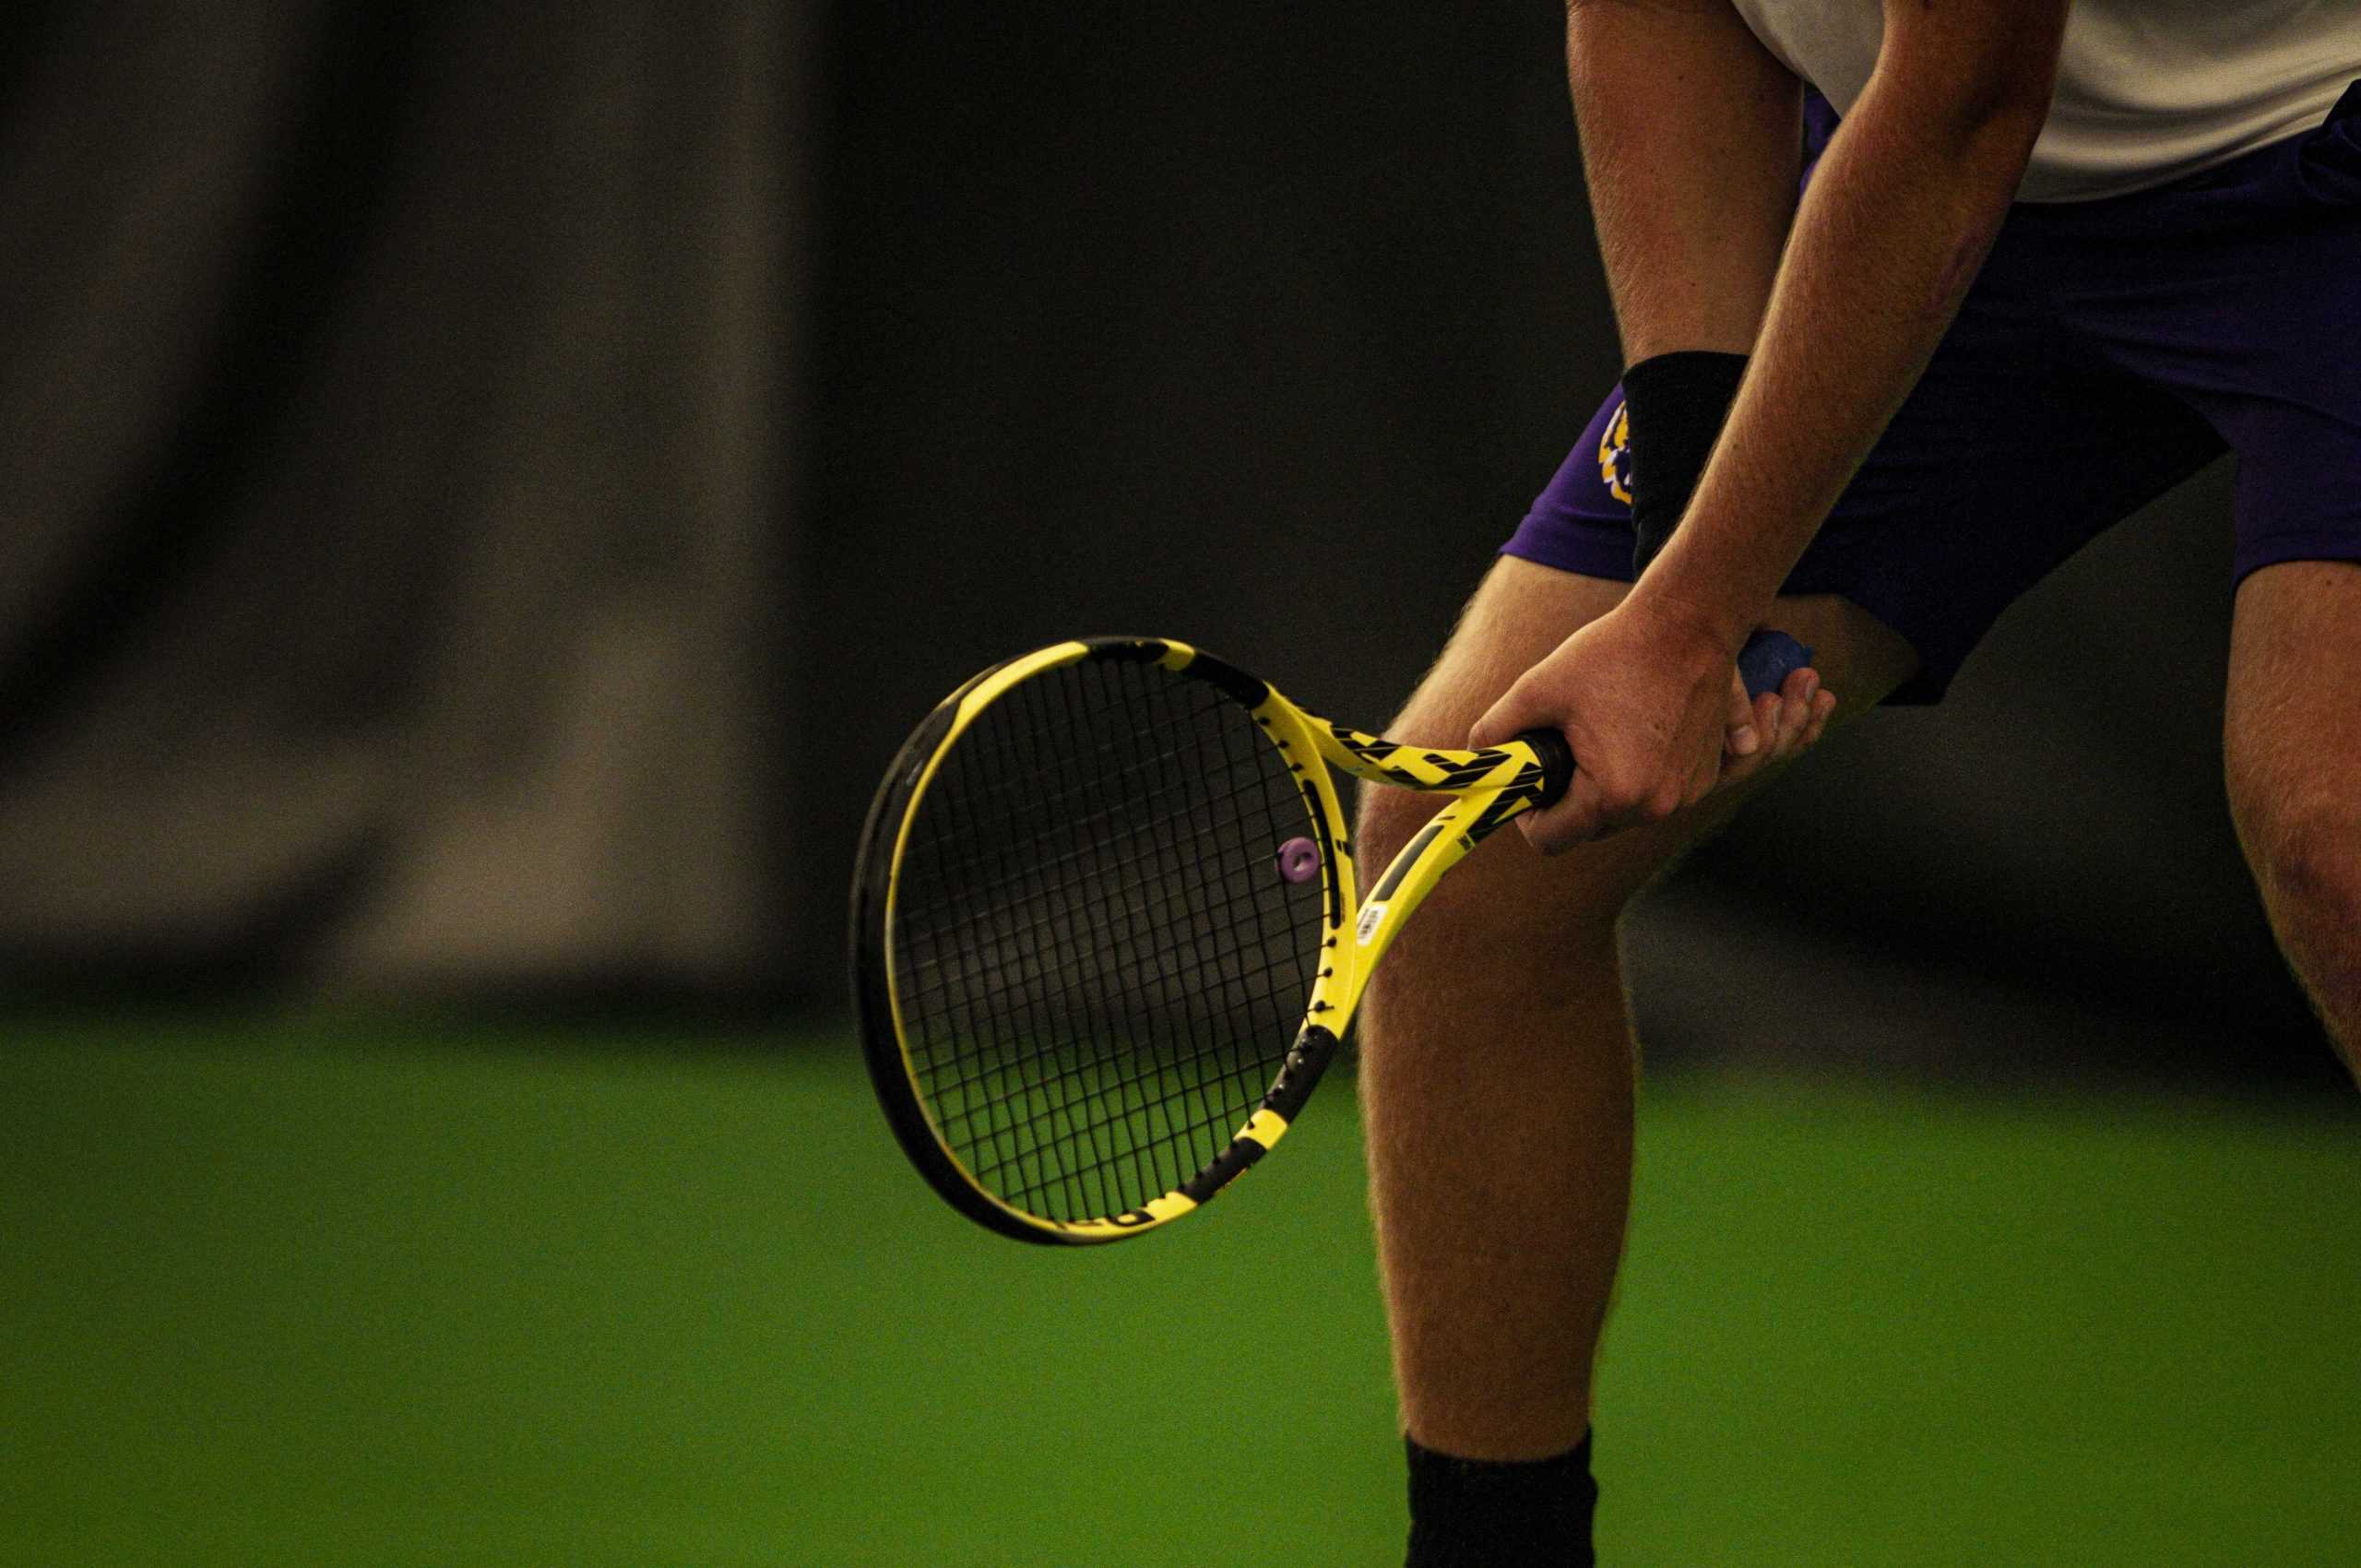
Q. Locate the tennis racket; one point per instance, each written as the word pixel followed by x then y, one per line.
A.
pixel 1105 929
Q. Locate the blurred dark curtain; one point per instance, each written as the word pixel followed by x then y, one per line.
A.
pixel 393 404
pixel 490 486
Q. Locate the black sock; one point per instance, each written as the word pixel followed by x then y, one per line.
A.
pixel 1500 1514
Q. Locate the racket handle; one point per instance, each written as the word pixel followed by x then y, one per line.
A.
pixel 1557 764
pixel 1767 658
pixel 1763 664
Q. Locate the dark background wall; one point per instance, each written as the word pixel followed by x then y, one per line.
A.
pixel 643 418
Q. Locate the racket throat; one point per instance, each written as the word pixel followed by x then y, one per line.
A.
pixel 1413 872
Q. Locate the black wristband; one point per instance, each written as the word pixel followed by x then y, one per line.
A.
pixel 1675 405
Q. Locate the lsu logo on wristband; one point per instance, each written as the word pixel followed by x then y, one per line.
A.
pixel 1615 454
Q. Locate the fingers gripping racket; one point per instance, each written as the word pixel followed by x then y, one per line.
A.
pixel 1106 932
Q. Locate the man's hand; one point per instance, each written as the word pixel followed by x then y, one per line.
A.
pixel 1653 707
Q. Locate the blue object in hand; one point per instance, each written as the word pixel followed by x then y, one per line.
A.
pixel 1765 660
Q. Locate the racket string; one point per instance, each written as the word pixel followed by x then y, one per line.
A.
pixel 1199 892
pixel 1082 1184
pixel 1204 834
pixel 1075 966
pixel 1173 977
pixel 1023 972
pixel 1095 995
pixel 1047 917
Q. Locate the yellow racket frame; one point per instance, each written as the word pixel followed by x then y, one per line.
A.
pixel 1488 788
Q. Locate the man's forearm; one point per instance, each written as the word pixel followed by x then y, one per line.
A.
pixel 1691 146
pixel 1901 212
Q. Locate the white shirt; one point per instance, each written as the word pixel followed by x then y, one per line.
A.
pixel 2148 90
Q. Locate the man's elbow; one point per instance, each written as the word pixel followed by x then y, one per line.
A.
pixel 2003 107
pixel 1981 76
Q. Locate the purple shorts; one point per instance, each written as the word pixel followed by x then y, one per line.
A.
pixel 2107 351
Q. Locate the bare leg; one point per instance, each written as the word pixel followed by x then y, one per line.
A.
pixel 1495 1052
pixel 2293 750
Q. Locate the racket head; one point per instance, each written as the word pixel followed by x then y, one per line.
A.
pixel 1094 896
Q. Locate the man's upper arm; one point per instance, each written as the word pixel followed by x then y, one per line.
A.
pixel 1692 139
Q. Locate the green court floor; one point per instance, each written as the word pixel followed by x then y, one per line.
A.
pixel 300 1294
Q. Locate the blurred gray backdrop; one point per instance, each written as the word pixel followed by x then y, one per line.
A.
pixel 397 399
pixel 489 487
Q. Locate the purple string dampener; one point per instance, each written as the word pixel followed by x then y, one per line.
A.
pixel 1298 860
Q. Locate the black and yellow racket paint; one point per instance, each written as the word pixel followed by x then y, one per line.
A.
pixel 1029 1080
pixel 1107 931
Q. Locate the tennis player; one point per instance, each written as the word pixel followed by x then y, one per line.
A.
pixel 2055 260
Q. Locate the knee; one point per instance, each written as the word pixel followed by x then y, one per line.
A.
pixel 2305 854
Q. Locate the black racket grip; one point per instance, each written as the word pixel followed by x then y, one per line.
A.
pixel 1763 664
pixel 1557 764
